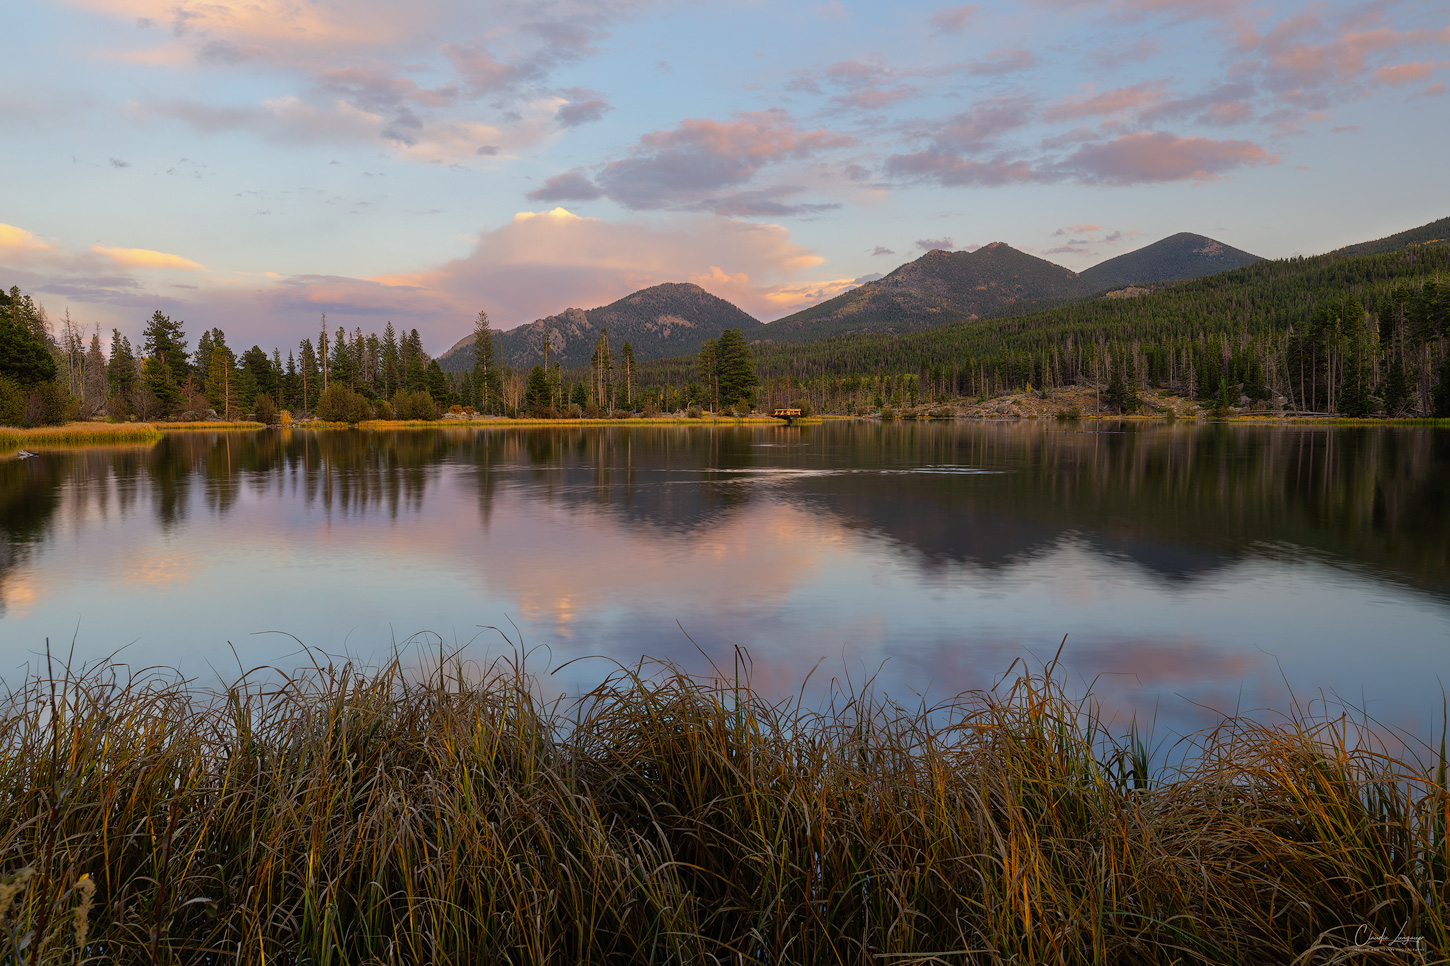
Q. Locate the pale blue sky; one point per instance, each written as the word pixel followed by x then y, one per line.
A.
pixel 251 164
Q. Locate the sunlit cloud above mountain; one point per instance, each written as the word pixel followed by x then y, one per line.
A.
pixel 256 163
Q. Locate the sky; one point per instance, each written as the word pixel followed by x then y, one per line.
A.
pixel 253 164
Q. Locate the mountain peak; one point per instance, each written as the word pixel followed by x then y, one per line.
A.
pixel 1180 256
pixel 669 319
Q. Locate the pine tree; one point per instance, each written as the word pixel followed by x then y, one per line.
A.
pixel 487 383
pixel 536 394
pixel 736 379
pixel 166 341
pixel 626 358
pixel 391 362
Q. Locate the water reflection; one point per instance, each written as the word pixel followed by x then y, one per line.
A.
pixel 1207 560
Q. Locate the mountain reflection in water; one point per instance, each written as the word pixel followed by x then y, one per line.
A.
pixel 1208 561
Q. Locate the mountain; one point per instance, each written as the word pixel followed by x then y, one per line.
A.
pixel 937 288
pixel 1177 257
pixel 1435 233
pixel 665 320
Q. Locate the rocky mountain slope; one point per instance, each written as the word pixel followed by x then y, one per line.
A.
pixel 663 320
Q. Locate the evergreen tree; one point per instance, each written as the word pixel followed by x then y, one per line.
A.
pixel 439 387
pixel 166 341
pixel 485 365
pixel 736 368
pixel 392 370
pixel 536 393
pixel 121 371
pixel 308 374
pixel 24 355
pixel 94 383
pixel 709 369
pixel 626 359
pixel 415 363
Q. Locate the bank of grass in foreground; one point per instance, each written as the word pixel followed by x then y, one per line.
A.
pixel 340 817
pixel 89 433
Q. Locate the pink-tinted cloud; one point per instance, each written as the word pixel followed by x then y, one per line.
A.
pixel 953 20
pixel 542 262
pixel 1147 157
pixel 1296 63
pixel 698 158
pixel 933 244
pixel 1000 62
pixel 953 170
pixel 1223 105
pixel 569 186
pixel 1121 101
pixel 1398 75
pixel 982 124
pixel 583 107
pixel 361 64
pixel 536 265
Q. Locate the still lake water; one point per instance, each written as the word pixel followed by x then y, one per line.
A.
pixel 1194 568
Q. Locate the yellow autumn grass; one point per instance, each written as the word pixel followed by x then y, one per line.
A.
pixel 335 815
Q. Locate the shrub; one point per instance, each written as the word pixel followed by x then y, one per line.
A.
pixel 339 404
pixel 414 405
pixel 12 402
pixel 264 409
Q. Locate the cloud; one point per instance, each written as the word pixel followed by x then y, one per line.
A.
pixel 1120 101
pixel 385 62
pixel 146 258
pixel 1295 65
pixel 1076 230
pixel 289 120
pixel 984 122
pixel 952 170
pixel 1001 62
pixel 569 186
pixel 16 241
pixel 953 20
pixel 1222 105
pixel 1146 157
pixel 1398 75
pixel 584 106
pixel 930 244
pixel 882 250
pixel 763 202
pixel 698 158
pixel 542 262
pixel 118 163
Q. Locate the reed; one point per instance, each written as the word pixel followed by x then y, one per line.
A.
pixel 72 434
pixel 336 816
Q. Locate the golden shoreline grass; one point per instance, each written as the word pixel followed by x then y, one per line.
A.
pixel 451 815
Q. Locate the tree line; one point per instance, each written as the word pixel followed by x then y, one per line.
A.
pixel 1353 335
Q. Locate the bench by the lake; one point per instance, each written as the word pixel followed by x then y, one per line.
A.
pixel 789 415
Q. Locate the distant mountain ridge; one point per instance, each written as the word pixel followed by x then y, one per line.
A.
pixel 995 280
pixel 937 288
pixel 672 319
pixel 1172 259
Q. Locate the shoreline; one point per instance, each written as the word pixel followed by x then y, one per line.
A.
pixel 96 433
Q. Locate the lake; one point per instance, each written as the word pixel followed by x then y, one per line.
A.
pixel 1195 569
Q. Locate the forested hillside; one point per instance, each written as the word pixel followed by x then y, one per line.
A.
pixel 1435 233
pixel 659 321
pixel 1180 256
pixel 1351 334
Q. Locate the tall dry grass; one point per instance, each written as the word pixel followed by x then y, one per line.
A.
pixel 73 434
pixel 335 817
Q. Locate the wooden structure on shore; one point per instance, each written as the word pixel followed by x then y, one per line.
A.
pixel 789 415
